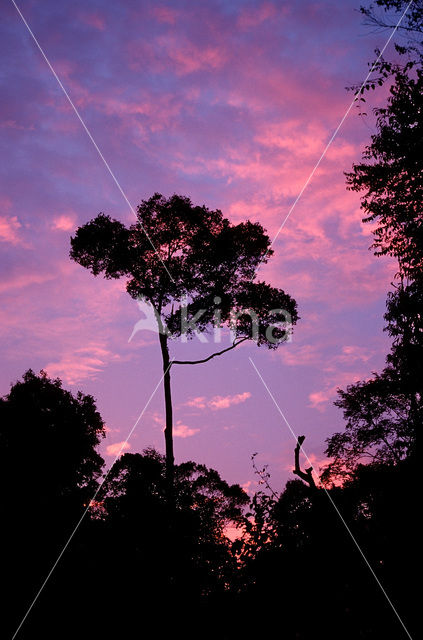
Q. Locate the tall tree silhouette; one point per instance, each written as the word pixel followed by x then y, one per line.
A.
pixel 179 252
pixel 384 414
pixel 391 174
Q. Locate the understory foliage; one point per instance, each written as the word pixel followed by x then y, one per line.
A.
pixel 135 566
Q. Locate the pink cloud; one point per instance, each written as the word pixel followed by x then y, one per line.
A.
pixel 94 19
pixel 249 486
pixel 81 364
pixel 165 14
pixel 223 402
pixel 64 222
pixel 218 402
pixel 23 280
pixel 310 459
pixel 199 402
pixel 148 114
pixel 317 462
pixel 253 17
pixel 117 448
pixel 301 355
pixel 68 71
pixel 302 139
pixel 108 429
pixel 187 57
pixel 336 379
pixel 9 227
pixel 354 353
pixel 181 430
pixel 319 399
pixel 12 124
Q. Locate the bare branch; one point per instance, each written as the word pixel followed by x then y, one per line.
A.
pixel 264 476
pixel 213 355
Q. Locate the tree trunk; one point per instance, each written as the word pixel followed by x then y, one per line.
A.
pixel 168 432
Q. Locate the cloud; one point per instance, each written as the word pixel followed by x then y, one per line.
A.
pixel 64 222
pixel 187 57
pixel 301 355
pixel 252 17
pixel 19 281
pixel 317 462
pixel 198 402
pixel 81 364
pixel 336 379
pixel 339 370
pixel 117 448
pixel 9 227
pixel 223 402
pixel 181 430
pixel 110 429
pixel 249 486
pixel 319 399
pixel 165 14
pixel 218 402
pixel 93 19
pixel 354 353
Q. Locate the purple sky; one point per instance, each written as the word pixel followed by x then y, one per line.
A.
pixel 231 103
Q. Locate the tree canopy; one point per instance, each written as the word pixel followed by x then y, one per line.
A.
pixel 49 437
pixel 391 175
pixel 197 270
pixel 178 250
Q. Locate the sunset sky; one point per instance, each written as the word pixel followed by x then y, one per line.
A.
pixel 230 102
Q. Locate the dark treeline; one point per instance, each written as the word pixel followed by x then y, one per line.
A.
pixel 141 565
pixel 133 568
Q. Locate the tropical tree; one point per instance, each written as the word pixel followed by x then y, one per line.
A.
pixel 391 175
pixel 196 270
pixel 50 468
pixel 178 562
pixel 384 414
pixel 49 439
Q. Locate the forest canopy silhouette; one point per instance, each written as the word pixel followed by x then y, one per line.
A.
pixel 152 539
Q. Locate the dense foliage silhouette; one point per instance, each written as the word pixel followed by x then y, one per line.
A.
pixel 136 567
pixel 384 414
pixel 49 471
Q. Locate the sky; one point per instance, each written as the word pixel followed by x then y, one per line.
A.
pixel 230 102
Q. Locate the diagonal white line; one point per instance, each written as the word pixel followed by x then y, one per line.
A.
pixel 87 131
pixel 333 136
pixel 332 502
pixel 88 506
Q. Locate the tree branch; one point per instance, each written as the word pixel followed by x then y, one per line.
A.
pixel 307 474
pixel 213 355
pixel 264 476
